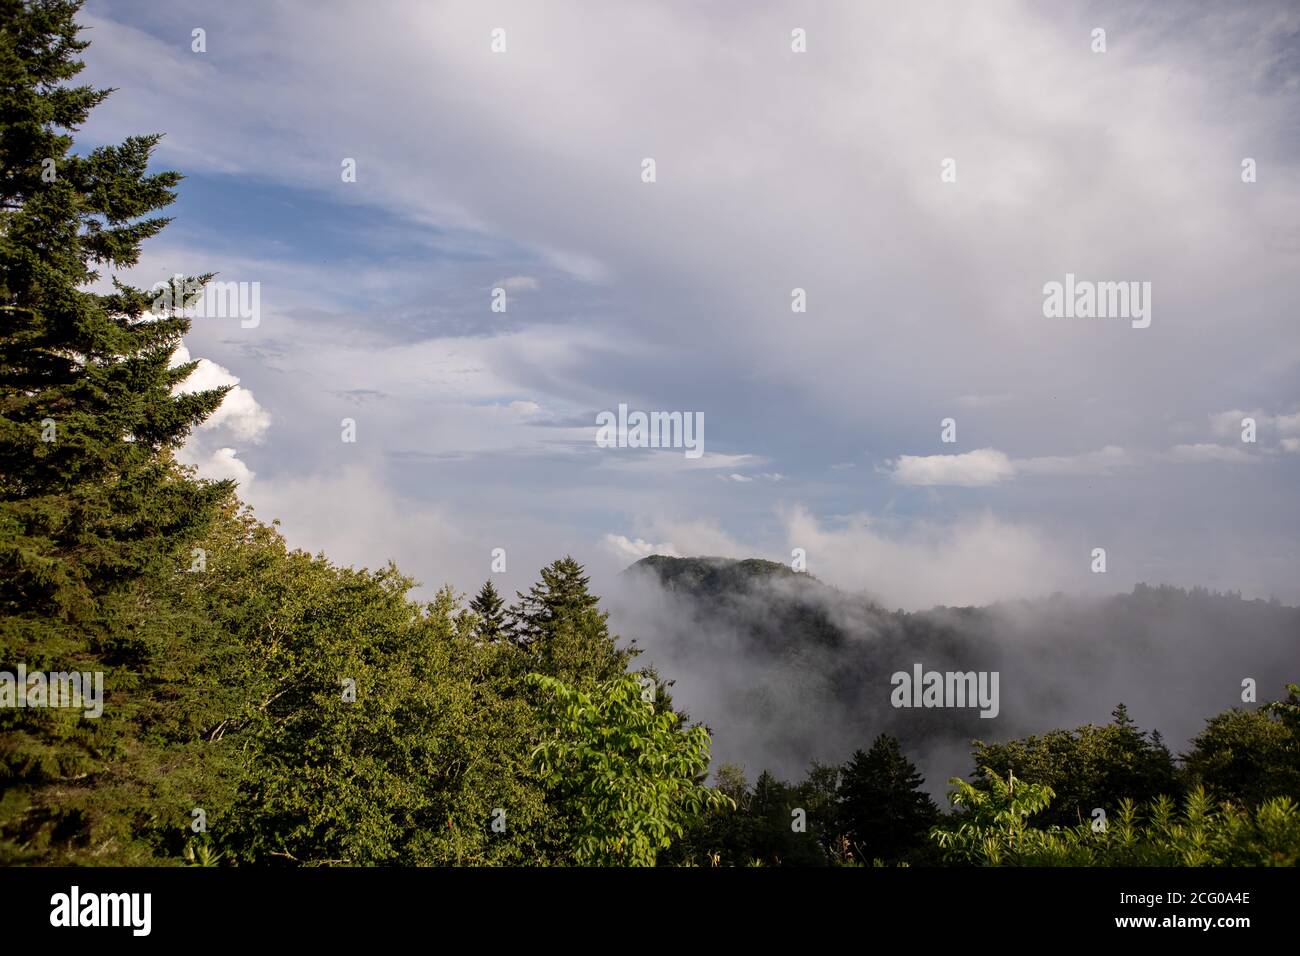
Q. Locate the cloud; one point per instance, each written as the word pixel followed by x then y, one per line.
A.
pixel 974 560
pixel 1224 424
pixel 216 465
pixel 518 283
pixel 988 466
pixel 355 517
pixel 1090 463
pixel 663 460
pixel 681 538
pixel 1205 452
pixel 676 294
pixel 1229 424
pixel 239 413
pixel 973 469
pixel 239 417
pixel 634 549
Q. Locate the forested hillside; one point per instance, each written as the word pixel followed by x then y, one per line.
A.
pixel 785 668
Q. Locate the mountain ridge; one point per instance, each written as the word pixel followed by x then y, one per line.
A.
pixel 787 668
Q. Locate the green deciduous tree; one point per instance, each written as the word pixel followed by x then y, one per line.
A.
pixel 994 830
pixel 368 728
pixel 993 827
pixel 1088 767
pixel 1250 755
pixel 622 771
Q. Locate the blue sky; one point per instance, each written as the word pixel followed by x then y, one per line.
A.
pixel 775 170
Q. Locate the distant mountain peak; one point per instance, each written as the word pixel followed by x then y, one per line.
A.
pixel 671 568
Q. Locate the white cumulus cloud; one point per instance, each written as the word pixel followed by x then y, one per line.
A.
pixel 216 465
pixel 239 413
pixel 979 468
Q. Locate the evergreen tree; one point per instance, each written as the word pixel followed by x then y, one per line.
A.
pixel 566 635
pixel 93 509
pixel 89 497
pixel 884 813
pixel 775 823
pixel 491 613
pixel 562 591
